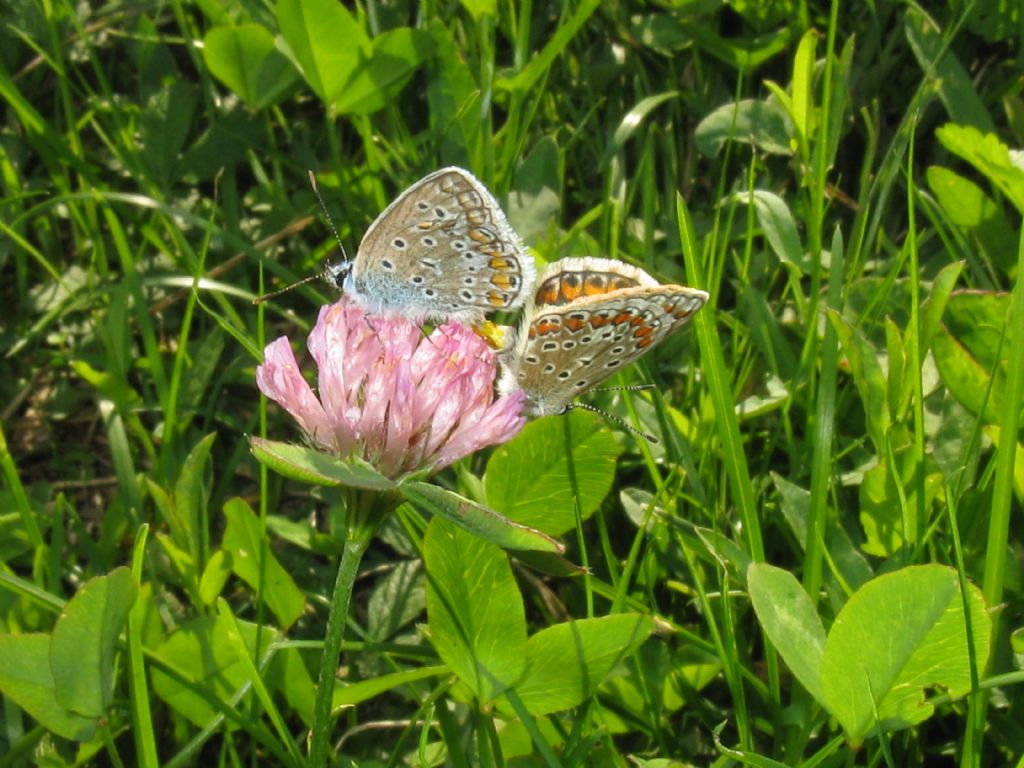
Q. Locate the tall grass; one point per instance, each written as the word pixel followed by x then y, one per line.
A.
pixel 847 405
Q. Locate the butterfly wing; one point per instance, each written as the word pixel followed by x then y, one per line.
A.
pixel 577 333
pixel 443 249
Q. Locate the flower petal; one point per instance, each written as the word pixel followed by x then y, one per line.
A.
pixel 278 378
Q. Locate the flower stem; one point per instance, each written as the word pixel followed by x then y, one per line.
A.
pixel 352 555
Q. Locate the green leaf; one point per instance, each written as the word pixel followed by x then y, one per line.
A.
pixel 474 609
pixel 964 376
pixel 397 599
pixel 26 678
pixel 201 651
pixel 966 350
pixel 85 642
pixel 326 41
pixel 376 80
pixel 215 576
pixel 555 463
pixel 969 207
pixel 478 8
pixel 476 518
pixel 868 377
pixel 244 542
pixel 779 228
pixel 288 674
pixel 191 497
pixel 232 630
pixel 887 495
pixel 762 124
pixel 634 119
pixel 308 465
pixel 451 92
pixel 566 663
pixel 989 155
pixel 790 621
pixel 849 564
pixel 938 62
pixel 533 202
pixel 803 107
pixel 898 635
pixel 671 32
pixel 246 60
pixel 163 127
pixel 347 695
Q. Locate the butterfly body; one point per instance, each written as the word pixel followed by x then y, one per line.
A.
pixel 443 250
pixel 589 318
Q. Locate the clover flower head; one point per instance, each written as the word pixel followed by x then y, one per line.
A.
pixel 399 399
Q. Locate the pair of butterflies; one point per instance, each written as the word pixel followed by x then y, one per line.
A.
pixel 443 250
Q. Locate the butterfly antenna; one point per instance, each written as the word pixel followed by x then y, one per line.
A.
pixel 625 388
pixel 327 214
pixel 263 297
pixel 327 273
pixel 612 417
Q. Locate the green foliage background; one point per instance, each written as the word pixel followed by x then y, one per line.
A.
pixel 843 179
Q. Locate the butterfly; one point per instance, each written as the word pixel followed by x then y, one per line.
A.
pixel 443 250
pixel 588 318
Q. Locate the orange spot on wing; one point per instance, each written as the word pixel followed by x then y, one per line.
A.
pixel 570 292
pixel 546 295
pixel 575 324
pixel 595 285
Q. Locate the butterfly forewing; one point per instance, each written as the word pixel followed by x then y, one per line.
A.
pixel 443 249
